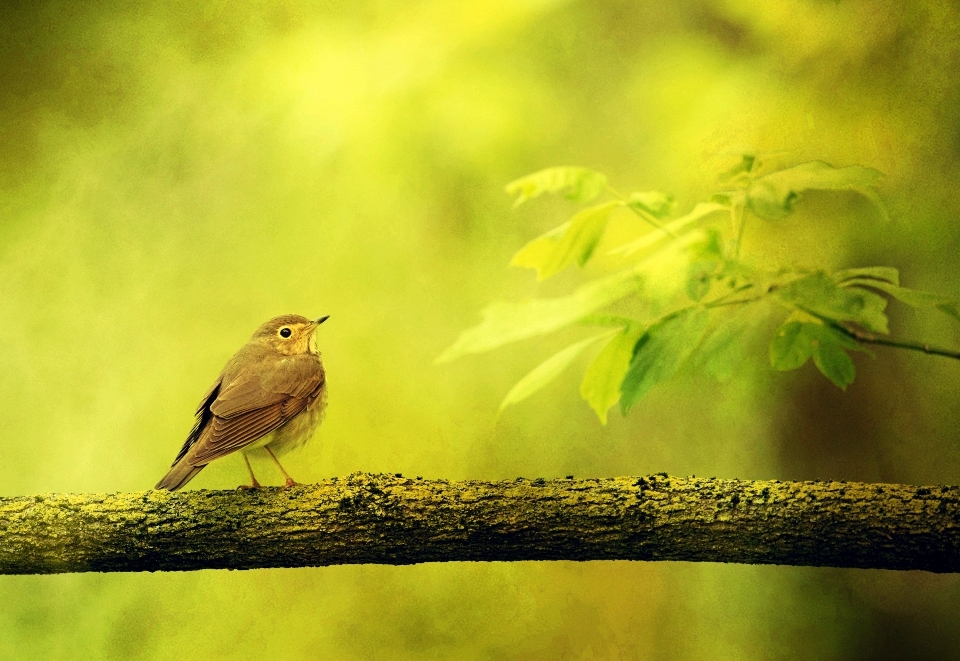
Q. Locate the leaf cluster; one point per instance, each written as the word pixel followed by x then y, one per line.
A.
pixel 720 300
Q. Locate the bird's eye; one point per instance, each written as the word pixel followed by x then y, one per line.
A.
pixel 285 332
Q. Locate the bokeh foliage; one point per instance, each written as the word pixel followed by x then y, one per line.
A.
pixel 173 175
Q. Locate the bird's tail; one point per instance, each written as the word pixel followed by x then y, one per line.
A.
pixel 178 475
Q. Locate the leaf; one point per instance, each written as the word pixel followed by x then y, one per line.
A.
pixel 746 165
pixel 706 263
pixel 912 297
pixel 795 342
pixel 660 352
pixel 790 348
pixel 586 229
pixel 655 203
pixel 577 184
pixel 606 320
pixel 818 294
pixel 950 308
pixel 773 196
pixel 702 210
pixel 538 251
pixel 835 364
pixel 547 371
pixel 575 240
pixel 709 249
pixel 601 382
pixel 885 273
pixel 726 346
pixel 504 322
pixel 699 279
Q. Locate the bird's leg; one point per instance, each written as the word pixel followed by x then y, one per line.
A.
pixel 290 482
pixel 253 478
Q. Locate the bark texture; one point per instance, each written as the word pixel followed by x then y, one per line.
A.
pixel 389 519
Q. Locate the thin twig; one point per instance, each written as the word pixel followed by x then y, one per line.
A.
pixel 870 338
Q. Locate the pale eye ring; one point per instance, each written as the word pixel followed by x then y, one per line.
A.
pixel 285 332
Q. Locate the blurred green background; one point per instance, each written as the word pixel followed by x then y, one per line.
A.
pixel 172 176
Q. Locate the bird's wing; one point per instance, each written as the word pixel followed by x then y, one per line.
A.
pixel 256 402
pixel 203 418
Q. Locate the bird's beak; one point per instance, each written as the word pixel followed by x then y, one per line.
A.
pixel 322 319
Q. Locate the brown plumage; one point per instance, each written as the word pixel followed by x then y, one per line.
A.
pixel 271 394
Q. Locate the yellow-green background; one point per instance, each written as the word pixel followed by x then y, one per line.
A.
pixel 172 175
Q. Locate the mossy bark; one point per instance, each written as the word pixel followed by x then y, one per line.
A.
pixel 388 519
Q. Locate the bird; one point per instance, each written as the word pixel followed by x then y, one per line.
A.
pixel 271 394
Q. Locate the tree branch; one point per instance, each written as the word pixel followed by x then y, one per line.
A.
pixel 394 520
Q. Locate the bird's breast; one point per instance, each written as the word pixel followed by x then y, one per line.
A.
pixel 299 429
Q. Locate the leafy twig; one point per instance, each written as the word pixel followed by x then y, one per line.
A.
pixel 830 314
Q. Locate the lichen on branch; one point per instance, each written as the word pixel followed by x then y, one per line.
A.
pixel 389 519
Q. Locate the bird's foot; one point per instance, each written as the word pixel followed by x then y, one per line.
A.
pixel 289 483
pixel 247 487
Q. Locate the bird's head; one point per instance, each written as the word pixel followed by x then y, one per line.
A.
pixel 290 334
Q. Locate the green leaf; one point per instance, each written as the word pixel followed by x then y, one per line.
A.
pixel 773 196
pixel 577 184
pixel 575 240
pixel 912 297
pixel 790 347
pixel 601 382
pixel 951 308
pixel 706 262
pixel 660 352
pixel 818 294
pixel 726 346
pixel 885 273
pixel 795 342
pixel 655 203
pixel 504 322
pixel 671 229
pixel 835 364
pixel 538 251
pixel 547 371
pixel 746 164
pixel 600 319
pixel 708 249
pixel 699 279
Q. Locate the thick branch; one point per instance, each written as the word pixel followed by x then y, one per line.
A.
pixel 394 520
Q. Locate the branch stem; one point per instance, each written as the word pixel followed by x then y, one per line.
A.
pixel 870 338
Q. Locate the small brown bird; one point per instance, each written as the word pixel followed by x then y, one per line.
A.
pixel 270 395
